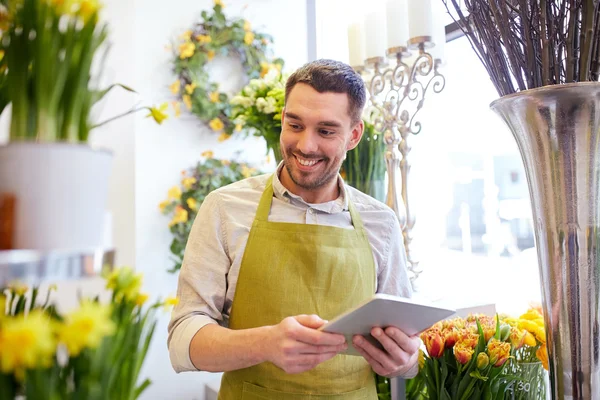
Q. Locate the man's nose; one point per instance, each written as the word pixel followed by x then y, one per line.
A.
pixel 308 142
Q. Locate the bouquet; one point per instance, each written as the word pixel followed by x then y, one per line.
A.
pixel 257 108
pixel 47 49
pixel 466 358
pixel 93 352
pixel 185 199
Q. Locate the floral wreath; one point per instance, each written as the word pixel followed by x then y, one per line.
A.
pixel 216 35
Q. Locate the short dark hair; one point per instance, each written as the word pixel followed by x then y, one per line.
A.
pixel 332 76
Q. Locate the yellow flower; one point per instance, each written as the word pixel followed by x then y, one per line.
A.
pixel 86 327
pixel 141 299
pixel 186 50
pixel 219 3
pixel 158 113
pixel 26 342
pixel 238 127
pixel 208 154
pixel 214 97
pixel 192 204
pixel 247 25
pixel 186 36
pixel 124 282
pixel 187 100
pixel 203 39
pixel 171 302
pixel 188 182
pixel 210 54
pixel 498 352
pixel 189 89
pixel 180 216
pixel 542 355
pixel 174 193
pixel 223 137
pixel 530 339
pixel 463 353
pixel 421 359
pixel 18 288
pixel 163 205
pixel 216 125
pixel 88 9
pixel 482 360
pixel 1 54
pixel 175 87
pixel 176 108
pixel 226 162
pixel 249 38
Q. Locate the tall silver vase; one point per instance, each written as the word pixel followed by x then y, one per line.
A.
pixel 557 129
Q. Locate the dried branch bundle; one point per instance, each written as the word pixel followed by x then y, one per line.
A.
pixel 525 44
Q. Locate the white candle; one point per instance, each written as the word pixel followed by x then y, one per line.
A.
pixel 397 23
pixel 420 16
pixel 356 44
pixel 375 34
pixel 439 36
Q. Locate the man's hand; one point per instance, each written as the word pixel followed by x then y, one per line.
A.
pixel 295 345
pixel 400 355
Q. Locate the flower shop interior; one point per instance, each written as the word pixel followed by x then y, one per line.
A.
pixel 183 120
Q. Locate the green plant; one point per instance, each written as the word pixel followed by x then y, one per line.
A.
pixel 364 166
pixel 215 35
pixel 185 199
pixel 94 352
pixel 48 48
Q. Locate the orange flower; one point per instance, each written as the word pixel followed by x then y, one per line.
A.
pixel 498 352
pixel 517 337
pixel 469 338
pixel 542 354
pixel 451 336
pixel 463 353
pixel 434 343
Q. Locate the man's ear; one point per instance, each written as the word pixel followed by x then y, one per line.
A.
pixel 356 135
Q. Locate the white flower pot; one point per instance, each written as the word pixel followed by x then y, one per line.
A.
pixel 61 192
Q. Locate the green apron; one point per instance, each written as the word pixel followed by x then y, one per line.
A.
pixel 290 269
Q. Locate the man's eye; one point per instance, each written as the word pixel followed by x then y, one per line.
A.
pixel 326 132
pixel 295 126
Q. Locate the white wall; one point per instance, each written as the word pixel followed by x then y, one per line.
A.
pixel 161 152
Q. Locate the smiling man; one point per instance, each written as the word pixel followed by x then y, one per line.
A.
pixel 272 257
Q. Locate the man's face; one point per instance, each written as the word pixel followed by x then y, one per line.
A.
pixel 316 133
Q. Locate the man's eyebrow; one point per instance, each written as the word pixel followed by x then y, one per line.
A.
pixel 334 124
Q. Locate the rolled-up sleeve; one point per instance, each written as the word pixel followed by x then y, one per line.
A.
pixel 202 283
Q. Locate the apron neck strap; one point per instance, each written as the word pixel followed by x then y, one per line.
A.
pixel 262 214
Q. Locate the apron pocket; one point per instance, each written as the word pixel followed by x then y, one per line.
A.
pixel 254 392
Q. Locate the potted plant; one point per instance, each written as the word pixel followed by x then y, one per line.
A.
pixel 59 182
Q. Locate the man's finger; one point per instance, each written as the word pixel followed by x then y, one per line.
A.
pixel 305 348
pixel 315 337
pixel 310 321
pixel 407 343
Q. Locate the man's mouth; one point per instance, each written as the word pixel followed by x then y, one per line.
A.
pixel 306 163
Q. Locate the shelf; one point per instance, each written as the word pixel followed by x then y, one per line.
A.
pixel 33 266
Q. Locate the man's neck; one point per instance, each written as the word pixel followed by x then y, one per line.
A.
pixel 328 192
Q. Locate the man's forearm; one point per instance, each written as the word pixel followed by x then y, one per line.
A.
pixel 217 349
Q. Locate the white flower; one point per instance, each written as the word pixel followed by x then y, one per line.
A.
pixel 257 84
pixel 269 108
pixel 241 101
pixel 249 92
pixel 271 76
pixel 261 103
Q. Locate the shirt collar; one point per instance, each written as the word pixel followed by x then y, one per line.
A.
pixel 331 207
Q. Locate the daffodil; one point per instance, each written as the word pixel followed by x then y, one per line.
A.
pixel 86 327
pixel 124 282
pixel 216 124
pixel 214 97
pixel 18 288
pixel 187 100
pixel 189 89
pixel 238 127
pixel 141 299
pixel 249 38
pixel 88 10
pixel 210 54
pixel 158 113
pixel 186 36
pixel 223 137
pixel 170 302
pixel 174 193
pixel 26 342
pixel 192 203
pixel 175 87
pixel 188 182
pixel 207 154
pixel 186 50
pixel 219 3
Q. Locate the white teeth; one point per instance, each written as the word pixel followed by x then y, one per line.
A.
pixel 306 163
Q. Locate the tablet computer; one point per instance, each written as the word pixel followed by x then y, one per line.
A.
pixel 410 316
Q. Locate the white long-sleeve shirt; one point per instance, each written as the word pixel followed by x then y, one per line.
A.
pixel 217 241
